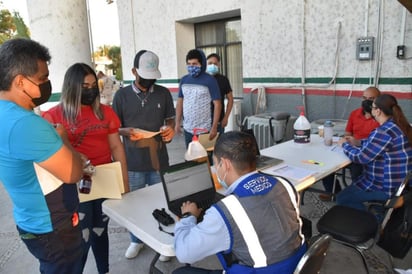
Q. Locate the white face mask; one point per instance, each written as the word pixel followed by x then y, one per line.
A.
pixel 221 181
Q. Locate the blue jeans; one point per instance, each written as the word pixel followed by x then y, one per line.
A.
pixel 139 179
pixel 94 226
pixel 220 129
pixel 59 251
pixel 188 138
pixel 355 170
pixel 354 196
pixel 328 183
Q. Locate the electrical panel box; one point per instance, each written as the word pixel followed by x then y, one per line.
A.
pixel 400 52
pixel 364 48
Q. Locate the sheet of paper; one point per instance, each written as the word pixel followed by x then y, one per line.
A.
pixel 209 145
pixel 291 172
pixel 336 148
pixel 48 182
pixel 146 133
pixel 107 182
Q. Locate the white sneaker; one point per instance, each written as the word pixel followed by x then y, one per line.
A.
pixel 133 250
pixel 163 258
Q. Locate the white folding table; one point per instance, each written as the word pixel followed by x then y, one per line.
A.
pixel 134 210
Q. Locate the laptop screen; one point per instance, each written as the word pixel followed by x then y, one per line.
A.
pixel 187 178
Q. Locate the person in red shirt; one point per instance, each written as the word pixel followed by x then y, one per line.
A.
pixel 360 124
pixel 93 130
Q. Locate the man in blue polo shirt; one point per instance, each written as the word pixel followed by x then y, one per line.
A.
pixel 45 211
pixel 256 228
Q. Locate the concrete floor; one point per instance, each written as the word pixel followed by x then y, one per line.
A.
pixel 14 257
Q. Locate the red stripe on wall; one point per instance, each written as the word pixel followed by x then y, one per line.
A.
pixel 322 92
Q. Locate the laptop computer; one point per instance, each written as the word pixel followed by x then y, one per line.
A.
pixel 189 181
pixel 263 162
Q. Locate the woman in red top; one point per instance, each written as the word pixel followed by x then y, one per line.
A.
pixel 93 130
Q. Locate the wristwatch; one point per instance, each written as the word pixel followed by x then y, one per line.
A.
pixel 186 214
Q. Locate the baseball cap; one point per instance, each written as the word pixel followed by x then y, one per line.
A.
pixel 147 65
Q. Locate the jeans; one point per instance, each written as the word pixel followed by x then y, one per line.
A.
pixel 195 270
pixel 355 170
pixel 328 184
pixel 94 227
pixel 188 138
pixel 220 129
pixel 58 251
pixel 139 179
pixel 354 196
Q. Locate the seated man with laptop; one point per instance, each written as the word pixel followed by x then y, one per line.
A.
pixel 255 227
pixel 189 181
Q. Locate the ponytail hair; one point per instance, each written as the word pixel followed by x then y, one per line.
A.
pixel 389 106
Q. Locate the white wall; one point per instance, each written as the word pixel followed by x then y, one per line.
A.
pixel 288 39
pixel 62 26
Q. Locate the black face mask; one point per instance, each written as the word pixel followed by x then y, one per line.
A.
pixel 367 106
pixel 89 95
pixel 146 83
pixel 45 93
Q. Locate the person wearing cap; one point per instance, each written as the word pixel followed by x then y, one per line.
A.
pixel 148 106
pixel 197 92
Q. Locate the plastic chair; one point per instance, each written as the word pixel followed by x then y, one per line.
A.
pixel 357 228
pixel 312 260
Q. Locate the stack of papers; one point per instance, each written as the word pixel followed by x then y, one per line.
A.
pixel 290 172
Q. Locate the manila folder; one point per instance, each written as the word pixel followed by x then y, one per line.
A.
pixel 107 182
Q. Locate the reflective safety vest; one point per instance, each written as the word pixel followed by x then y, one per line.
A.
pixel 262 217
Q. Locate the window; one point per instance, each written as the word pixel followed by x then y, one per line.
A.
pixel 224 38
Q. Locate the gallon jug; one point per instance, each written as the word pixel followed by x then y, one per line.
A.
pixel 301 129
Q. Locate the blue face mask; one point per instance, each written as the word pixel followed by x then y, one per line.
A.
pixel 212 69
pixel 194 70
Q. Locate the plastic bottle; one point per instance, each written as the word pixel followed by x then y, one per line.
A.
pixel 301 129
pixel 85 184
pixel 195 150
pixel 328 132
